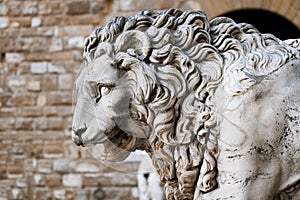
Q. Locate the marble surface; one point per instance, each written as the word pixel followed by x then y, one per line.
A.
pixel 215 104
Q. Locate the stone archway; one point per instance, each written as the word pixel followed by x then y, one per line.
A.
pixel 287 8
pixel 266 22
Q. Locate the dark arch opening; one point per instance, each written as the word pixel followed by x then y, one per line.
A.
pixel 266 22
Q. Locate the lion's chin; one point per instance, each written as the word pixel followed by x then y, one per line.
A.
pixel 118 147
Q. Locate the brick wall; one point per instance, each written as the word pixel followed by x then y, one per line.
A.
pixel 41 45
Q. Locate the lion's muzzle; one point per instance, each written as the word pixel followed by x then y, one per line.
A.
pixel 76 138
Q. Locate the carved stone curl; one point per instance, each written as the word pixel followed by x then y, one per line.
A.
pixel 214 103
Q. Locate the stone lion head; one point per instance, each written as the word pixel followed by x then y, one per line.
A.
pixel 148 84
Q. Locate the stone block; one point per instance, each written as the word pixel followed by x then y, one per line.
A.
pixel 75 42
pixel 30 111
pixel 56 68
pixel 40 123
pixel 34 84
pixel 72 180
pixel 24 124
pixel 14 172
pixel 41 44
pixel 59 194
pixel 98 6
pixel 14 8
pixel 64 111
pixel 17 193
pixel 53 20
pixel 42 193
pixel 93 19
pixel 16 83
pixel 50 82
pixel 116 193
pixel 81 194
pixel 3 8
pixel 20 21
pixel 36 21
pixel 30 8
pixel 53 151
pixel 38 67
pixel 87 167
pixel 14 57
pixel 44 166
pixel 24 44
pixel 95 180
pixel 45 31
pixel 7 112
pixel 39 180
pixel 39 56
pixel 59 98
pixel 77 7
pixel 7 124
pixel 75 30
pixel 23 68
pixel 24 99
pixel 7 45
pixel 22 183
pixel 55 123
pixel 63 56
pixel 4 22
pixel 50 111
pixel 6 100
pixel 49 7
pixel 65 82
pixel 64 165
pixel 30 165
pixel 53 180
pixel 56 44
pixel 41 100
pixel 71 150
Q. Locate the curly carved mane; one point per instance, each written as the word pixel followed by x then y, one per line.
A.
pixel 181 59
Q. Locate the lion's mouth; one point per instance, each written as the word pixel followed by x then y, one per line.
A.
pixel 118 146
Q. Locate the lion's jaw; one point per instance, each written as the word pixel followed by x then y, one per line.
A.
pixel 115 146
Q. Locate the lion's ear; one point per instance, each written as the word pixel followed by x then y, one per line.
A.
pixel 135 43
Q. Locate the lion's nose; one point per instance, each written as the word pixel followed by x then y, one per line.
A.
pixel 76 136
pixel 79 131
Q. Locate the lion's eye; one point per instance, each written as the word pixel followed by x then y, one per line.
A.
pixel 102 91
pixel 105 90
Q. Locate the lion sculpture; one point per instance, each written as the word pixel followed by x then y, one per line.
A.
pixel 215 103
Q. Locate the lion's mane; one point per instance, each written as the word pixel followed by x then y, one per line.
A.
pixel 175 79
